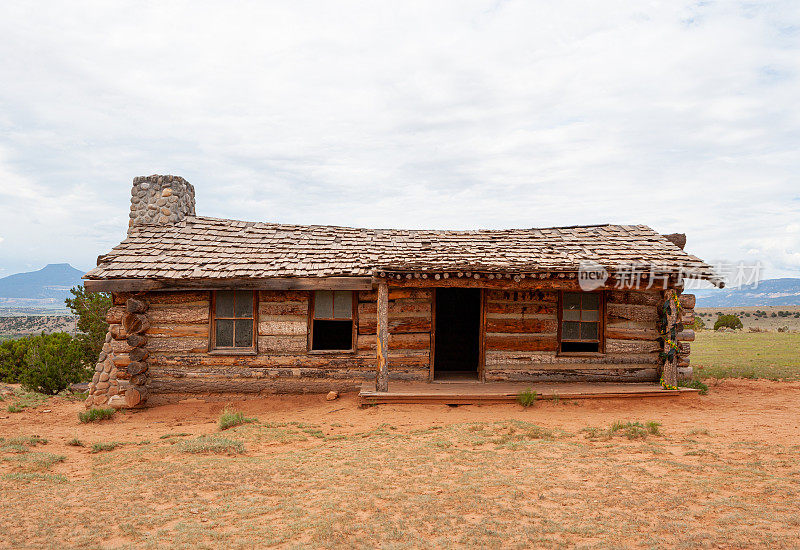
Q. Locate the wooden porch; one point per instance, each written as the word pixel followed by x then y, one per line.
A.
pixel 473 393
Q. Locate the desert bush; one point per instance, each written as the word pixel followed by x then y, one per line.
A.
pixel 527 398
pixel 698 324
pixel 229 419
pixel 12 359
pixel 102 447
pixel 95 415
pixel 728 321
pixel 696 384
pixel 52 363
pixel 91 309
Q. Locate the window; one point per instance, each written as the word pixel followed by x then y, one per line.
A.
pixel 581 327
pixel 332 326
pixel 234 320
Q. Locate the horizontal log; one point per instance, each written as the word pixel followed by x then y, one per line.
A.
pixel 631 333
pixel 521 308
pixel 630 312
pixel 686 335
pixel 281 328
pixel 521 325
pixel 687 301
pixel 288 307
pixel 166 386
pixel 115 314
pixel 177 344
pixel 285 343
pixel 535 296
pixel 396 294
pixel 397 341
pixel 635 297
pixel 179 315
pixel 419 306
pixel 284 296
pixel 531 359
pixel 275 283
pixel 687 317
pixel 506 284
pixel 527 342
pixel 121 359
pixel 197 330
pixel 513 367
pixel 367 324
pixel 179 297
pixel 612 375
pixel 631 346
pixel 342 360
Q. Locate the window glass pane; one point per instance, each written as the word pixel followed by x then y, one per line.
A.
pixel 572 300
pixel 342 304
pixel 588 331
pixel 323 304
pixel 244 333
pixel 244 303
pixel 589 315
pixel 570 330
pixel 591 300
pixel 224 303
pixel 224 333
pixel 572 315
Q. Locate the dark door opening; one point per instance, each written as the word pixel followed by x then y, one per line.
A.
pixel 457 333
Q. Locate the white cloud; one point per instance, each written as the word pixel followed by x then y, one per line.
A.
pixel 414 114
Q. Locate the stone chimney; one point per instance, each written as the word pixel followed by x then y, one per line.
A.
pixel 160 200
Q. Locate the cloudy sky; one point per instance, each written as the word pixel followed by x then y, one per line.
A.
pixel 468 114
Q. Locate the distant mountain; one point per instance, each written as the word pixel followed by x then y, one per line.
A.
pixel 771 292
pixel 47 287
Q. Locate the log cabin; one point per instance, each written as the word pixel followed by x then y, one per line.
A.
pixel 207 306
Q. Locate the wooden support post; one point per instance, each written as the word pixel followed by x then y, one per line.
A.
pixel 382 382
pixel 669 373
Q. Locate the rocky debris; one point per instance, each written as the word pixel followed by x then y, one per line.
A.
pixel 332 395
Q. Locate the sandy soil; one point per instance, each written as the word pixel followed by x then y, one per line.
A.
pixel 743 419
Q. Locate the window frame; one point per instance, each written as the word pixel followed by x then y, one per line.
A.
pixel 311 317
pixel 601 325
pixel 212 327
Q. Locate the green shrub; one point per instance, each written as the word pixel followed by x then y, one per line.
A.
pixel 102 447
pixel 728 321
pixel 229 419
pixel 53 362
pixel 75 442
pixel 12 359
pixel 527 398
pixel 698 324
pixel 95 415
pixel 696 384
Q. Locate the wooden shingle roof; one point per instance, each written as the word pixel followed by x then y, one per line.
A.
pixel 210 248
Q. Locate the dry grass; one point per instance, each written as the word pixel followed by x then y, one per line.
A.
pixel 509 483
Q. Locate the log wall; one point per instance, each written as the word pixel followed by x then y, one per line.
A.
pixel 521 339
pixel 180 362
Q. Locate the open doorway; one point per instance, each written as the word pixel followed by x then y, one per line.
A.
pixel 457 334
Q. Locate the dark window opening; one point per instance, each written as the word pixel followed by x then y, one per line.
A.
pixel 332 321
pixel 332 335
pixel 580 322
pixel 457 333
pixel 234 319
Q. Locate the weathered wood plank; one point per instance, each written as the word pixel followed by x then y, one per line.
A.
pixel 275 283
pixel 382 341
pixel 279 328
pixel 631 333
pixel 528 359
pixel 283 308
pixel 284 296
pixel 180 344
pixel 517 296
pixel 635 297
pixel 178 297
pixel 410 341
pixel 396 294
pixel 367 324
pixel 630 312
pixel 179 315
pixel 199 330
pixel 521 325
pixel 631 346
pixel 362 360
pixel 528 342
pixel 494 307
pixel 420 307
pixel 278 344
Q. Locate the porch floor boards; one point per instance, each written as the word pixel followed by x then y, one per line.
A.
pixel 465 393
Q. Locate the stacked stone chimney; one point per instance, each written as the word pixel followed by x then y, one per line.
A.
pixel 160 200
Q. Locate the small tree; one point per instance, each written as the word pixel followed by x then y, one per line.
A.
pixel 728 321
pixel 91 309
pixel 53 362
pixel 698 324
